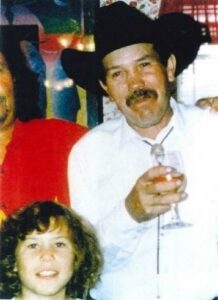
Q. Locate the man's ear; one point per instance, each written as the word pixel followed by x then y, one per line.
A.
pixel 171 67
pixel 103 85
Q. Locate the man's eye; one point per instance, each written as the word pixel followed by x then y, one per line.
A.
pixel 116 74
pixel 145 64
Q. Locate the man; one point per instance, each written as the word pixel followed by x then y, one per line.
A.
pixel 33 151
pixel 210 103
pixel 112 176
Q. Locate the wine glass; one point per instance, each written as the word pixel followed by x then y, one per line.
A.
pixel 172 159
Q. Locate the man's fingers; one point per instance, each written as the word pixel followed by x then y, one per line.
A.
pixel 157 172
pixel 154 211
pixel 159 204
pixel 163 185
pixel 164 199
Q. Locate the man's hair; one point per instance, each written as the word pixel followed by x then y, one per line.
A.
pixel 37 216
pixel 26 88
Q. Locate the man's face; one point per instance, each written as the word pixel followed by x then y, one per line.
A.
pixel 7 102
pixel 138 83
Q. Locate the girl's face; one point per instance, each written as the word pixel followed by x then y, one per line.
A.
pixel 45 262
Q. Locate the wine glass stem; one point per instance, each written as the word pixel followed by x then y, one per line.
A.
pixel 174 212
pixel 158 257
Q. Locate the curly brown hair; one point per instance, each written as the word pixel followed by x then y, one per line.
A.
pixel 37 216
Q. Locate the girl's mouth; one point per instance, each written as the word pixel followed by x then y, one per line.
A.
pixel 47 273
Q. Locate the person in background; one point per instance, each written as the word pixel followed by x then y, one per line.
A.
pixel 117 175
pixel 33 151
pixel 48 252
pixel 210 103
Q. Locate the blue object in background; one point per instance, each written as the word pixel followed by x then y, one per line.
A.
pixel 94 110
pixel 37 65
pixel 65 98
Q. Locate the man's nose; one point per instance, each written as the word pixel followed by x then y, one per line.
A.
pixel 135 80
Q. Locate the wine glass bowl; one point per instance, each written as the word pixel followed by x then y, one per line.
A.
pixel 172 159
pixel 168 177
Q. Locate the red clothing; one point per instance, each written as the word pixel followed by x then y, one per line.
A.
pixel 35 166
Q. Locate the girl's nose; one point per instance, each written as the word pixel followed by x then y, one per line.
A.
pixel 47 253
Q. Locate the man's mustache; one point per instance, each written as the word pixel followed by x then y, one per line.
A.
pixel 146 93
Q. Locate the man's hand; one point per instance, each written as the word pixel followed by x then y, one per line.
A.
pixel 208 103
pixel 154 193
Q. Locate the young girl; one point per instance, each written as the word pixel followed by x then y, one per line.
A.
pixel 47 252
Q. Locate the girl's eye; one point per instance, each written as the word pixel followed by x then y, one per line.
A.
pixel 60 244
pixel 32 246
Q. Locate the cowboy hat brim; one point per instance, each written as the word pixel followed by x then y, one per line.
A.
pixel 81 67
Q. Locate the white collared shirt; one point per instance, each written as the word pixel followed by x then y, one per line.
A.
pixel 104 166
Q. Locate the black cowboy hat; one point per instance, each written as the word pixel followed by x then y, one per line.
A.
pixel 119 25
